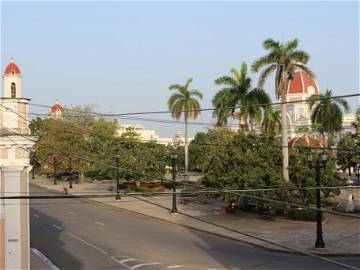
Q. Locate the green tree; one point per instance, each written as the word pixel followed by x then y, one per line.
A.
pixel 237 92
pixel 356 123
pixel 281 59
pixel 348 151
pixel 184 102
pixel 327 113
pixel 271 124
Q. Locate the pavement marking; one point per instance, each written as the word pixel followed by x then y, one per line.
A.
pixel 87 243
pixel 99 223
pixel 57 227
pixel 72 213
pixel 35 215
pixel 126 260
pixel 143 264
pixel 173 266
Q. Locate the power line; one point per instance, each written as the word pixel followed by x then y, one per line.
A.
pixel 253 197
pixel 254 237
pixel 201 144
pixel 206 109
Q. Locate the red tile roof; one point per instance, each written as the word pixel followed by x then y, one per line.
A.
pixel 10 68
pixel 57 106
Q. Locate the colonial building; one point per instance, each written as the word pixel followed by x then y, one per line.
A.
pixel 298 114
pixel 15 144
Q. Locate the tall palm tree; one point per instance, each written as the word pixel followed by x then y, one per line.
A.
pixel 356 123
pixel 271 123
pixel 327 113
pixel 184 102
pixel 281 59
pixel 237 92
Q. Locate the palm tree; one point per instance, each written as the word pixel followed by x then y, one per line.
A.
pixel 271 124
pixel 356 123
pixel 281 59
pixel 184 101
pixel 327 113
pixel 237 92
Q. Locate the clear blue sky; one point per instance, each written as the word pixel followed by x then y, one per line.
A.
pixel 122 56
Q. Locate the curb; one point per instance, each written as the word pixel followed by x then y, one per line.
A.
pixel 45 259
pixel 218 234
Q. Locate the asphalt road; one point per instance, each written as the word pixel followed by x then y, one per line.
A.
pixel 81 234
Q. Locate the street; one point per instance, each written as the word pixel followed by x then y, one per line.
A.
pixel 82 234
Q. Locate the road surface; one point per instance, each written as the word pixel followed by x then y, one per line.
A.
pixel 81 234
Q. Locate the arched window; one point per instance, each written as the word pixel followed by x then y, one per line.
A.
pixel 13 72
pixel 13 90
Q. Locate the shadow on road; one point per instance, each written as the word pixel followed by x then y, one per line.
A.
pixel 48 240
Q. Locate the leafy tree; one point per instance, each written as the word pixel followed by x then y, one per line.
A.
pixel 327 113
pixel 237 92
pixel 302 175
pixel 348 151
pixel 184 102
pixel 281 59
pixel 271 124
pixel 356 123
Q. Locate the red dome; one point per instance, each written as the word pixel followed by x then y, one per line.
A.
pixel 302 84
pixel 12 68
pixel 305 140
pixel 56 107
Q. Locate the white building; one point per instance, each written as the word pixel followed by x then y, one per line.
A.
pixel 15 143
pixel 147 135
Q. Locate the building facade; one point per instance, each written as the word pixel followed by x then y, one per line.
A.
pixel 15 144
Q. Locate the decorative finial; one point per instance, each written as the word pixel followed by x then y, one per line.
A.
pixel 11 60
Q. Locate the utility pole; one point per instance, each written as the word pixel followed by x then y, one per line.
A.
pixel 117 162
pixel 54 166
pixel 173 165
pixel 33 165
pixel 70 171
pixel 319 243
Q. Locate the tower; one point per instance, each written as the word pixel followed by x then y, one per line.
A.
pixel 15 144
pixel 56 111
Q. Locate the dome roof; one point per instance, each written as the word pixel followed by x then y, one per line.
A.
pixel 12 68
pixel 302 84
pixel 57 106
pixel 305 140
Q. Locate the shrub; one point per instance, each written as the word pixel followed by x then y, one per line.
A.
pixel 302 214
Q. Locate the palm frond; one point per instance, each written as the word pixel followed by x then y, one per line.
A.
pixel 265 74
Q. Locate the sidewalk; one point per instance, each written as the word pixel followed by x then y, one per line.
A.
pixel 341 234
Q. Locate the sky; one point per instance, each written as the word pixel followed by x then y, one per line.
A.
pixel 122 56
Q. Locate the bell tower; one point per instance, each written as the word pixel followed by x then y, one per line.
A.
pixel 15 144
pixel 12 81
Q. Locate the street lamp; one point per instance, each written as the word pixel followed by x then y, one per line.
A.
pixel 319 243
pixel 358 174
pixel 117 162
pixel 173 165
pixel 54 167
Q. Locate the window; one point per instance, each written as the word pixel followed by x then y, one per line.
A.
pixel 13 90
pixel 13 72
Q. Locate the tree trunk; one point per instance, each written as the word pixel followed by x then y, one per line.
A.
pixel 284 141
pixel 186 146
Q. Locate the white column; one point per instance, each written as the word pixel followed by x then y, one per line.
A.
pixel 12 212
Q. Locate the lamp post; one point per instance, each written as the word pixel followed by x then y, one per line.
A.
pixel 54 166
pixel 358 174
pixel 70 176
pixel 117 162
pixel 319 243
pixel 173 165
